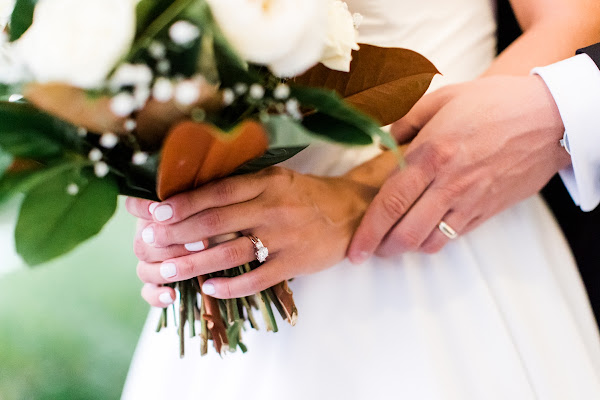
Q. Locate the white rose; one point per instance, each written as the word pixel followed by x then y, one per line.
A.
pixel 341 37
pixel 286 35
pixel 6 8
pixel 77 41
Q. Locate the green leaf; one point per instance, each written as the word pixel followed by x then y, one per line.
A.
pixel 53 222
pixel 153 22
pixel 8 90
pixel 21 182
pixel 27 132
pixel 285 132
pixel 6 161
pixel 336 130
pixel 338 120
pixel 270 158
pixel 21 18
pixel 147 11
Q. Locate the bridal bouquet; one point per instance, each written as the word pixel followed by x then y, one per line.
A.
pixel 150 98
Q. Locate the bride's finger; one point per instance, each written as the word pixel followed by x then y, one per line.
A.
pixel 221 193
pixel 450 227
pixel 224 256
pixel 148 253
pixel 158 296
pixel 206 224
pixel 140 208
pixel 268 274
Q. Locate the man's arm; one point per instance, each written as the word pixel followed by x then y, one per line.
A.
pixel 575 87
pixel 525 118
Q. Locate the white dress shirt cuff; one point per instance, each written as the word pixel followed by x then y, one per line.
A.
pixel 575 85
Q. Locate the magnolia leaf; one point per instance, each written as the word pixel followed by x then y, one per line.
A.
pixel 53 222
pixel 286 132
pixel 21 181
pixel 335 130
pixel 22 119
pixel 76 106
pixel 337 120
pixel 384 83
pixel 29 144
pixel 21 18
pixel 6 160
pixel 93 112
pixel 196 153
pixel 24 132
pixel 270 158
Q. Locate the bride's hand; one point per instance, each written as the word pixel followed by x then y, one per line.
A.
pixel 305 221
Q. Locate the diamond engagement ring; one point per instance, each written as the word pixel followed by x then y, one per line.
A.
pixel 447 230
pixel 260 251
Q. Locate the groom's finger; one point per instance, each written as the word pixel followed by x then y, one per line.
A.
pixel 456 220
pixel 406 128
pixel 416 226
pixel 396 197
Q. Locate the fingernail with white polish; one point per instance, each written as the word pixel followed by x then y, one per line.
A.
pixel 209 289
pixel 148 235
pixel 163 213
pixel 165 298
pixel 198 246
pixel 152 207
pixel 168 270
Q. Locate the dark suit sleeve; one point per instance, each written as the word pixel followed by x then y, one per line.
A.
pixel 592 51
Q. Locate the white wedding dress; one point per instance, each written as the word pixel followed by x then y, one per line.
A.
pixel 499 313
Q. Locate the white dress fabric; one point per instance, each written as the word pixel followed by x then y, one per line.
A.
pixel 499 313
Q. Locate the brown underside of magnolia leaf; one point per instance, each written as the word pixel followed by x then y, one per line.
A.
pixel 285 297
pixel 21 165
pixel 156 118
pixel 383 82
pixel 75 106
pixel 93 113
pixel 196 153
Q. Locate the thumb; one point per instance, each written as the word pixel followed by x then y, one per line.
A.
pixel 406 128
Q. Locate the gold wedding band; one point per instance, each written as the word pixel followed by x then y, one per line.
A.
pixel 447 230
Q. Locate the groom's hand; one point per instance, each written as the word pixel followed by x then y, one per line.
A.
pixel 481 147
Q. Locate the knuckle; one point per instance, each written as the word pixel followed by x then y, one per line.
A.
pixel 437 155
pixel 162 235
pixel 211 219
pixel 224 191
pixel 227 292
pixel 140 249
pixel 186 267
pixel 394 204
pixel 408 239
pixel 231 255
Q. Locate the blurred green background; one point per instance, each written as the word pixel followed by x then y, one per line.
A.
pixel 68 329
